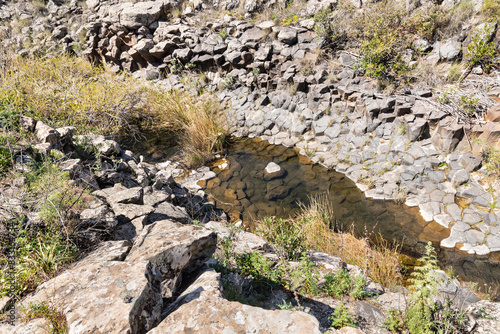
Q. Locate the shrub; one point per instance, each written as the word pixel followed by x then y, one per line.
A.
pixel 341 317
pixel 358 287
pixel 480 52
pixel 337 284
pixel 259 267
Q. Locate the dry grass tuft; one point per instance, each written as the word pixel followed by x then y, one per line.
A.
pixel 382 260
pixel 200 121
pixel 317 230
pixel 66 90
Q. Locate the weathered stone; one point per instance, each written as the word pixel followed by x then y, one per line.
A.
pixel 252 35
pixel 168 211
pixel 273 171
pixel 127 212
pixel 27 123
pixel 450 50
pixel 458 176
pixel 288 36
pixel 189 313
pixel 141 14
pixel 447 134
pixel 105 146
pixel 469 162
pixel 493 113
pixel 486 315
pixel 120 194
pixel 46 134
pixel 98 217
pixel 126 296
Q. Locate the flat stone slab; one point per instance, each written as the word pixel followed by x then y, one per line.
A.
pixel 203 309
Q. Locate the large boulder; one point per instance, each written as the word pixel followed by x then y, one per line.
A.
pixel 119 289
pixel 203 309
pixel 143 13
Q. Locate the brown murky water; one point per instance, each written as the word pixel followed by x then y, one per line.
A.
pixel 241 190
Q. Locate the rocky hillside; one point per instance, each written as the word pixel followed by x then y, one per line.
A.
pixel 401 97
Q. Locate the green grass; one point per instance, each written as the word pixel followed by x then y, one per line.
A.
pixel 45 247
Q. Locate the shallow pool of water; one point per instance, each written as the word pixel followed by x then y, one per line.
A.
pixel 241 190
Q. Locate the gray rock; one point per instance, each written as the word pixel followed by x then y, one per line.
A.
pixel 203 307
pixel 120 194
pixel 142 13
pixel 252 35
pixel 447 135
pixel 450 50
pixel 288 36
pixel 168 211
pixel 458 176
pixel 27 123
pixel 46 134
pixel 469 162
pixel 127 295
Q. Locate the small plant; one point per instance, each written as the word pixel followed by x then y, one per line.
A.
pixel 454 73
pixel 419 315
pixel 402 129
pixel 443 98
pixel 338 284
pixel 228 82
pixel 175 66
pixel 286 306
pixel 286 236
pixel 223 33
pixel 258 267
pixel 290 19
pixel 197 223
pixel 468 104
pixel 57 321
pixel 306 276
pixel 394 321
pixel 358 287
pixel 341 317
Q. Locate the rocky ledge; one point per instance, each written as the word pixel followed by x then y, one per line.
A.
pixel 155 272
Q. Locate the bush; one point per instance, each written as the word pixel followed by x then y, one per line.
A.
pixel 481 52
pixel 341 317
pixel 259 267
pixel 337 284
